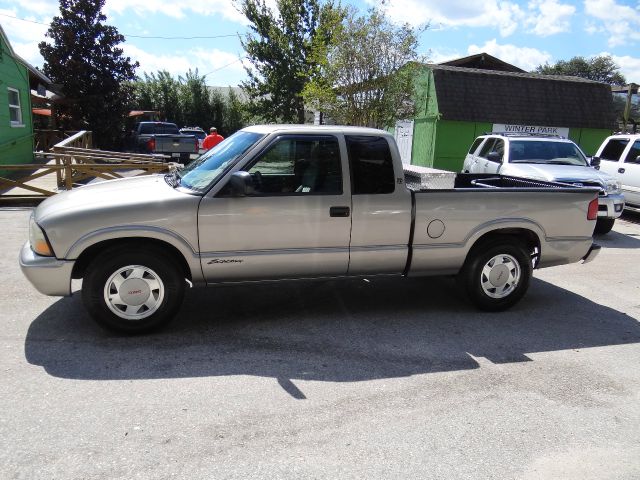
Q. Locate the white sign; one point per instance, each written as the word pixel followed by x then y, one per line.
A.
pixel 532 129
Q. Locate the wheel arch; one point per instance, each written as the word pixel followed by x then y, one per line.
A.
pixel 526 237
pixel 91 252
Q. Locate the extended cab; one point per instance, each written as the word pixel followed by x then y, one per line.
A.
pixel 620 157
pixel 546 158
pixel 291 202
pixel 166 139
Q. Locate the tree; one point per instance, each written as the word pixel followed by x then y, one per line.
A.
pixel 187 100
pixel 235 117
pixel 84 58
pixel 280 50
pixel 195 99
pixel 601 68
pixel 367 73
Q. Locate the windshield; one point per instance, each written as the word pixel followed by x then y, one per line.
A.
pixel 554 153
pixel 200 174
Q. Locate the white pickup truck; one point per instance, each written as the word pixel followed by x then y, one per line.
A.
pixel 292 202
pixel 549 158
pixel 620 158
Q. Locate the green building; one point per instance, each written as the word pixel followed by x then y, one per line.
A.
pixel 459 100
pixel 17 79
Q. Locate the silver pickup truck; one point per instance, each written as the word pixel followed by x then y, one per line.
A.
pixel 293 202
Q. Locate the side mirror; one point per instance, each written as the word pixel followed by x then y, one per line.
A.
pixel 638 159
pixel 240 183
pixel 595 162
pixel 494 157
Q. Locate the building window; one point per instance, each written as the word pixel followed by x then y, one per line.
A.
pixel 15 111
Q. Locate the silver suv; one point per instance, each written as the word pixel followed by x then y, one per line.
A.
pixel 553 159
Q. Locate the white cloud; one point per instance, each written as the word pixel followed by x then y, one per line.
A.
pixel 620 22
pixel 524 57
pixel 442 55
pixel 42 7
pixel 25 36
pixel 629 66
pixel 174 9
pixel 220 68
pixel 549 17
pixel 502 15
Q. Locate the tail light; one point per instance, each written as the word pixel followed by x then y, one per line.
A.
pixel 151 144
pixel 592 213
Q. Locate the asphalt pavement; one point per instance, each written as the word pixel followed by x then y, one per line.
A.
pixel 386 378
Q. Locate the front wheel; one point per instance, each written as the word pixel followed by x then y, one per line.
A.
pixel 604 225
pixel 133 291
pixel 496 277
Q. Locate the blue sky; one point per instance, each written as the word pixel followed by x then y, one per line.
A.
pixel 525 33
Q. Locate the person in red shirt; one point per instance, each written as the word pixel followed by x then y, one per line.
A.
pixel 212 139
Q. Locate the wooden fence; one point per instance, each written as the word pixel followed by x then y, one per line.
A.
pixel 73 162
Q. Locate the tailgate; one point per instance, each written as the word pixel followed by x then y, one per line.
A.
pixel 175 144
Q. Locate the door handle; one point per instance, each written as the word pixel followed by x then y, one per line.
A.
pixel 621 170
pixel 339 211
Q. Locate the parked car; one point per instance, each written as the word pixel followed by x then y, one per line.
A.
pixel 290 202
pixel 620 157
pixel 546 158
pixel 164 138
pixel 196 132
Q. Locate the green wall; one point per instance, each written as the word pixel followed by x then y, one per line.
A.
pixel 16 143
pixel 589 139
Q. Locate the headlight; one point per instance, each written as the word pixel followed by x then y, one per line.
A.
pixel 614 186
pixel 38 240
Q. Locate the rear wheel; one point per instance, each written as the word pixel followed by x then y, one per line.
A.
pixel 496 277
pixel 133 291
pixel 604 225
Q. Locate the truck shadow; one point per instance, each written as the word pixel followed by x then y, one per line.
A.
pixel 334 331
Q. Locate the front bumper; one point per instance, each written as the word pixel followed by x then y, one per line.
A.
pixel 592 253
pixel 49 275
pixel 610 206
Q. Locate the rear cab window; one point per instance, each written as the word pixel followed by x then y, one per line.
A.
pixel 371 165
pixel 613 149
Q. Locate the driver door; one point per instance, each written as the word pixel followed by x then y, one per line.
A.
pixel 295 221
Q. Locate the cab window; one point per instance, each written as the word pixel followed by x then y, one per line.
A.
pixel 634 152
pixel 487 147
pixel 475 145
pixel 371 165
pixel 613 149
pixel 296 165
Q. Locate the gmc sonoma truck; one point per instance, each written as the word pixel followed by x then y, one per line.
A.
pixel 294 202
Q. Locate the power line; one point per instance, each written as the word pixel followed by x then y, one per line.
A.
pixel 224 66
pixel 137 36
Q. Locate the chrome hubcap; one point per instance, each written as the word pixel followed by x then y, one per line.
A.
pixel 500 276
pixel 134 292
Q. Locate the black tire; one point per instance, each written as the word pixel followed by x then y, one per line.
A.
pixel 505 295
pixel 604 225
pixel 185 158
pixel 153 268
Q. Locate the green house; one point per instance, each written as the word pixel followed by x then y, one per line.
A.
pixel 17 79
pixel 459 100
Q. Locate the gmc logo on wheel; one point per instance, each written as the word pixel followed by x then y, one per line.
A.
pixel 135 292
